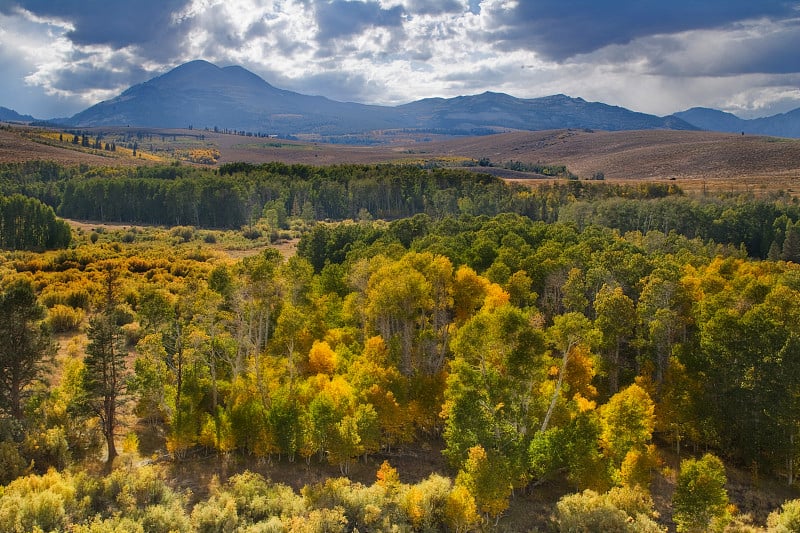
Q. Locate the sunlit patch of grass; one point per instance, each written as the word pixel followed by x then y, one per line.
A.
pixel 274 144
pixel 434 162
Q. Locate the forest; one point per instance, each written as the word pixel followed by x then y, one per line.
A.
pixel 583 335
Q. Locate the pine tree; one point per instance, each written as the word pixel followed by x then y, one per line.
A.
pixel 24 344
pixel 104 381
pixel 791 244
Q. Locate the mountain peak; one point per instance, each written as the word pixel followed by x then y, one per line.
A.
pixel 197 64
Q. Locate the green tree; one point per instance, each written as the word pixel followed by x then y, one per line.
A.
pixel 786 520
pixel 489 400
pixel 104 378
pixel 615 319
pixel 568 332
pixel 700 500
pixel 486 478
pixel 28 224
pixel 25 344
pixel 791 243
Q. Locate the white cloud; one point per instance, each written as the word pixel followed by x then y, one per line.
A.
pixel 395 51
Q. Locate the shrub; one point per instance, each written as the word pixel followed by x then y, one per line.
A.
pixel 62 318
pixel 425 503
pixel 133 333
pixel 38 503
pixel 619 510
pixel 252 234
pixel 47 448
pixel 786 520
pixel 218 513
pixel 12 464
pixel 79 299
pixel 42 510
pixel 186 233
pixel 257 498
pixel 165 519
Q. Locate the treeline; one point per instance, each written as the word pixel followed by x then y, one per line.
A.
pixel 28 224
pixel 242 194
pixel 759 225
pixel 231 200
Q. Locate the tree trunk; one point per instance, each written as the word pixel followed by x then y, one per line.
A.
pixel 556 392
pixel 108 430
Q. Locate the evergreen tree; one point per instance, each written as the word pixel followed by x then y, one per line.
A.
pixel 24 344
pixel 104 380
pixel 791 244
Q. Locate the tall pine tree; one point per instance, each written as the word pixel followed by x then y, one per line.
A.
pixel 25 344
pixel 104 380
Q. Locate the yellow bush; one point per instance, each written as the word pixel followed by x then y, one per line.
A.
pixel 62 318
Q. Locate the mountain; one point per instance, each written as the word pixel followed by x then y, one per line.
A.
pixel 202 95
pixel 9 115
pixel 497 110
pixel 781 125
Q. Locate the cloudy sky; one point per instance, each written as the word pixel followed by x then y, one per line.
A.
pixel 57 57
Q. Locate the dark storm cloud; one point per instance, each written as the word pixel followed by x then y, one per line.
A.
pixel 104 22
pixel 341 18
pixel 765 52
pixel 558 30
pixel 82 75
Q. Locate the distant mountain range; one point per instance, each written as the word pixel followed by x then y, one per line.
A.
pixel 782 125
pixel 205 96
pixel 201 95
pixel 9 115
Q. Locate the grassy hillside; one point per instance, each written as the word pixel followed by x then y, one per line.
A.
pixel 697 161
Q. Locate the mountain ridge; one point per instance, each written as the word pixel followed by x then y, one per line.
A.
pixel 9 115
pixel 780 125
pixel 201 94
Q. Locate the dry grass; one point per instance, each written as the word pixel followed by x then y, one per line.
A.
pixel 17 148
pixel 695 160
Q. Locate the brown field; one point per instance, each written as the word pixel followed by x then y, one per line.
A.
pixel 17 148
pixel 694 160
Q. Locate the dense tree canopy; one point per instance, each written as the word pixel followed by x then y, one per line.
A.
pixel 470 318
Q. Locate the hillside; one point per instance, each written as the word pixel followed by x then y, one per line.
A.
pixel 640 154
pixel 694 159
pixel 17 145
